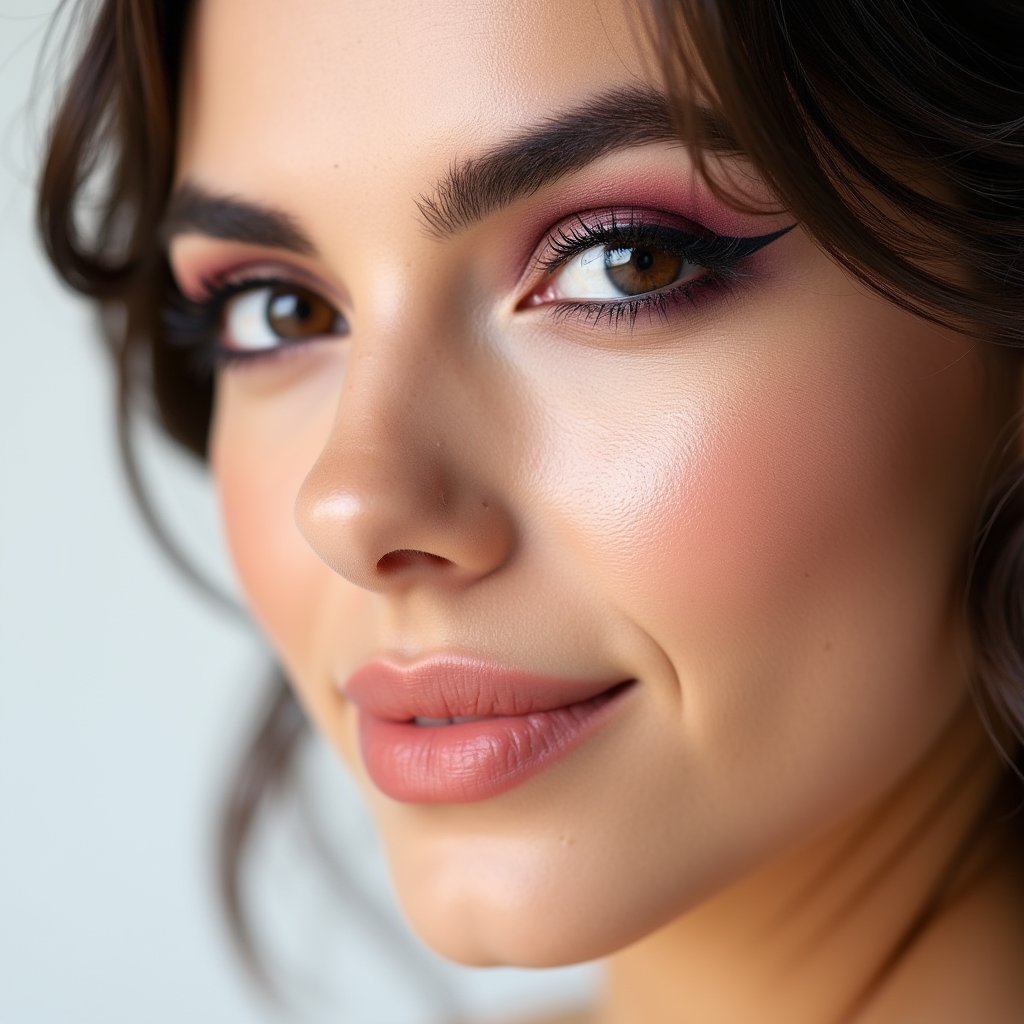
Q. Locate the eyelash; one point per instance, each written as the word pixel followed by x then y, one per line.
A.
pixel 193 325
pixel 717 254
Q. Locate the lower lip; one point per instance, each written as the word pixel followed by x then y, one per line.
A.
pixel 471 761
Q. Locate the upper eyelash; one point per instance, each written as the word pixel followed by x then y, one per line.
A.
pixel 706 249
pixel 718 254
pixel 573 237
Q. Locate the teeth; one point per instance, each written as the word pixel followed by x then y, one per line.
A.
pixel 433 723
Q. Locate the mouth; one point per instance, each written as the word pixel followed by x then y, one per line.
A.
pixel 433 723
pixel 456 730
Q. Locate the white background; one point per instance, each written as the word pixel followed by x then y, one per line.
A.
pixel 123 702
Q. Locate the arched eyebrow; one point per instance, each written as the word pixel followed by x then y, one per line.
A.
pixel 192 208
pixel 537 156
pixel 474 188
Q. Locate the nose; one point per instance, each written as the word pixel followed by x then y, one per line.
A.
pixel 398 496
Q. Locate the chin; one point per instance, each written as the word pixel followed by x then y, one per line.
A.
pixel 525 939
pixel 523 907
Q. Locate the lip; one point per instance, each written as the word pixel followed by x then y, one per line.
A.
pixel 521 723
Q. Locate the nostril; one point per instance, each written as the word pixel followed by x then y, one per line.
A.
pixel 407 558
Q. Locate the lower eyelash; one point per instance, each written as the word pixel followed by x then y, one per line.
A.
pixel 615 313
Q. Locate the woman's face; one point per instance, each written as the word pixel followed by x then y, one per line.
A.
pixel 746 489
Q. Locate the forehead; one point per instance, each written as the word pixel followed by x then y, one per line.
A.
pixel 323 89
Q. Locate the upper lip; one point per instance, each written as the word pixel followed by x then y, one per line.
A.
pixel 452 686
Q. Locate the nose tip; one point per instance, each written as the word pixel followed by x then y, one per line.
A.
pixel 385 529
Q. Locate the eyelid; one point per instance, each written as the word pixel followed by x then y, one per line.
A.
pixel 264 274
pixel 197 262
pixel 606 220
pixel 707 247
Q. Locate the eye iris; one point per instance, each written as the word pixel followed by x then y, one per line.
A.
pixel 640 269
pixel 296 313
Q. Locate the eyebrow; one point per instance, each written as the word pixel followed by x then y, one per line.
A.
pixel 232 219
pixel 471 189
pixel 537 156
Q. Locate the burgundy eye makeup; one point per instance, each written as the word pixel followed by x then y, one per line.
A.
pixel 601 268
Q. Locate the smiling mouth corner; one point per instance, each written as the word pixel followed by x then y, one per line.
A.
pixel 426 722
pixel 433 723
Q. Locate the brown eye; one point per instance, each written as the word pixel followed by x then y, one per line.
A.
pixel 269 316
pixel 298 313
pixel 638 269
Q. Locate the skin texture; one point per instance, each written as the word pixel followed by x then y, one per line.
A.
pixel 758 507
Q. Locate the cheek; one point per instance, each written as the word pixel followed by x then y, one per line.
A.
pixel 257 474
pixel 841 522
pixel 788 543
pixel 829 494
pixel 808 495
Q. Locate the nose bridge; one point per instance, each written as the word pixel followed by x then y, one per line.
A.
pixel 396 494
pixel 385 421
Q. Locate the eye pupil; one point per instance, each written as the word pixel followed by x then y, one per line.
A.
pixel 642 269
pixel 296 313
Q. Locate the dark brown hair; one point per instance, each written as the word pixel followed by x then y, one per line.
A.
pixel 893 132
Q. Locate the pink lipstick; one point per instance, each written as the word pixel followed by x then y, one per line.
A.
pixel 454 730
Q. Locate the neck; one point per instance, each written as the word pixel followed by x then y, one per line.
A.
pixel 809 938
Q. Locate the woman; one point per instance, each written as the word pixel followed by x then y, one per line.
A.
pixel 611 410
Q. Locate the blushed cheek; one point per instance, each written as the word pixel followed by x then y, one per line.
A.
pixel 835 492
pixel 763 501
pixel 256 486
